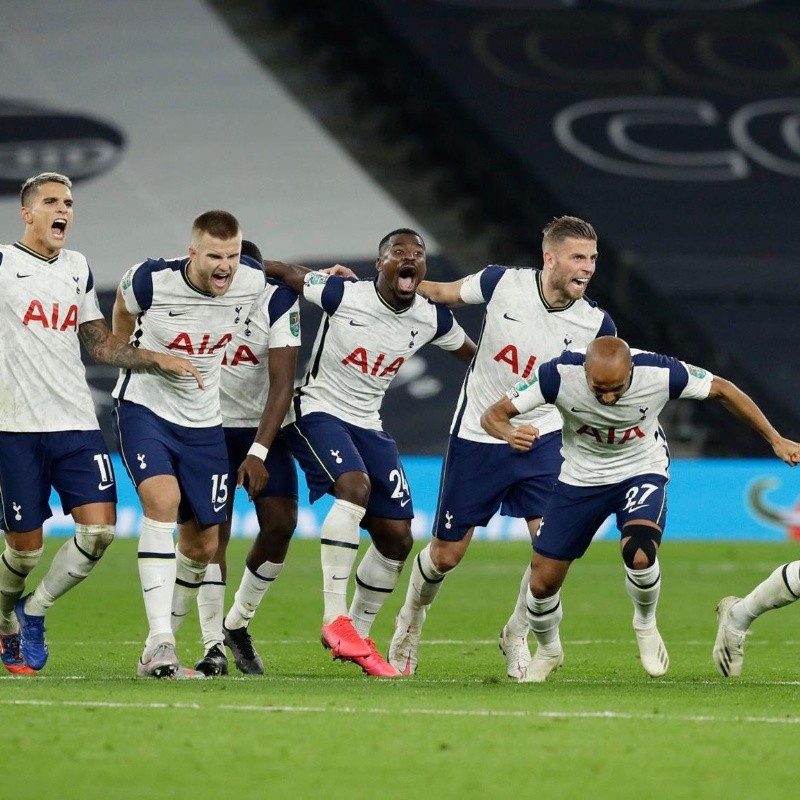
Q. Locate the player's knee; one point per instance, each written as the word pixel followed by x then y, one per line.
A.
pixel 22 562
pixel 354 487
pixel 446 556
pixel 640 545
pixel 92 540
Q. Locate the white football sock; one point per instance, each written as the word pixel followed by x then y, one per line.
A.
pixel 644 587
pixel 15 566
pixel 75 559
pixel 780 589
pixel 211 606
pixel 517 624
pixel 544 617
pixel 376 578
pixel 339 548
pixel 423 586
pixel 189 576
pixel 157 575
pixel 253 587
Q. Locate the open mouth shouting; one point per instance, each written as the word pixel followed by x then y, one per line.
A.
pixel 220 280
pixel 406 281
pixel 58 230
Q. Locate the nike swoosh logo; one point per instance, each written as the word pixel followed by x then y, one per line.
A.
pixel 177 313
pixel 103 486
pixel 27 275
pixel 73 575
pixel 370 613
pixel 358 324
pixel 217 509
pixel 511 319
pixel 404 503
pixel 340 577
pixel 149 590
pixel 578 410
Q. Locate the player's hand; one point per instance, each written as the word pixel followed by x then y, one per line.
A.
pixel 787 451
pixel 522 438
pixel 340 270
pixel 253 474
pixel 175 365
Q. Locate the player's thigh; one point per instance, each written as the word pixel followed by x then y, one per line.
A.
pixel 571 519
pixel 24 481
pixel 535 476
pixel 202 472
pixel 642 498
pixel 390 494
pixel 148 444
pixel 81 471
pixel 475 477
pixel 325 449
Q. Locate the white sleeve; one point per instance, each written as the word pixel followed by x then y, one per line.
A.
pixel 527 395
pixel 470 290
pixel 699 384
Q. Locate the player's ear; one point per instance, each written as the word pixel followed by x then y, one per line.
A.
pixel 26 214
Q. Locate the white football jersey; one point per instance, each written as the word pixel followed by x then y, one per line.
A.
pixel 520 331
pixel 43 302
pixel 273 322
pixel 174 317
pixel 609 444
pixel 361 344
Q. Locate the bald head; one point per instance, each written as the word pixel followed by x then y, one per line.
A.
pixel 608 368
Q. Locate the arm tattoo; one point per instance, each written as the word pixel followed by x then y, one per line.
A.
pixel 105 348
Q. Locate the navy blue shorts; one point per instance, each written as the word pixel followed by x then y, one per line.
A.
pixel 575 513
pixel 480 478
pixel 74 463
pixel 280 464
pixel 326 448
pixel 196 457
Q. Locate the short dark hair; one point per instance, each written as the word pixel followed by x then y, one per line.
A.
pixel 33 184
pixel 566 227
pixel 219 224
pixel 251 249
pixel 396 232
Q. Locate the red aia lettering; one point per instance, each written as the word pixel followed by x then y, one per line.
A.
pixel 243 355
pixel 37 313
pixel 184 343
pixel 610 436
pixel 510 356
pixel 360 359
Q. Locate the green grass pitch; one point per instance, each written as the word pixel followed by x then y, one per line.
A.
pixel 309 728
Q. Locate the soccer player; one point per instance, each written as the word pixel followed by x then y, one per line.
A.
pixel 616 461
pixel 370 329
pixel 736 614
pixel 170 437
pixel 531 316
pixel 256 385
pixel 49 434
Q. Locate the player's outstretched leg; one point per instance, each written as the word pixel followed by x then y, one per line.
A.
pixel 513 639
pixel 423 585
pixel 643 586
pixel 728 652
pixel 544 617
pixel 210 609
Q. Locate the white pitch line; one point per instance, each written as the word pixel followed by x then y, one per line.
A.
pixel 624 716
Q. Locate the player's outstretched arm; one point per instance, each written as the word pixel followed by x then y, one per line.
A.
pixel 742 406
pixel 105 348
pixel 448 293
pixel 292 275
pixel 252 471
pixel 496 421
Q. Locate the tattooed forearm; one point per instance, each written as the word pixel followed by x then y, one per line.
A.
pixel 105 348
